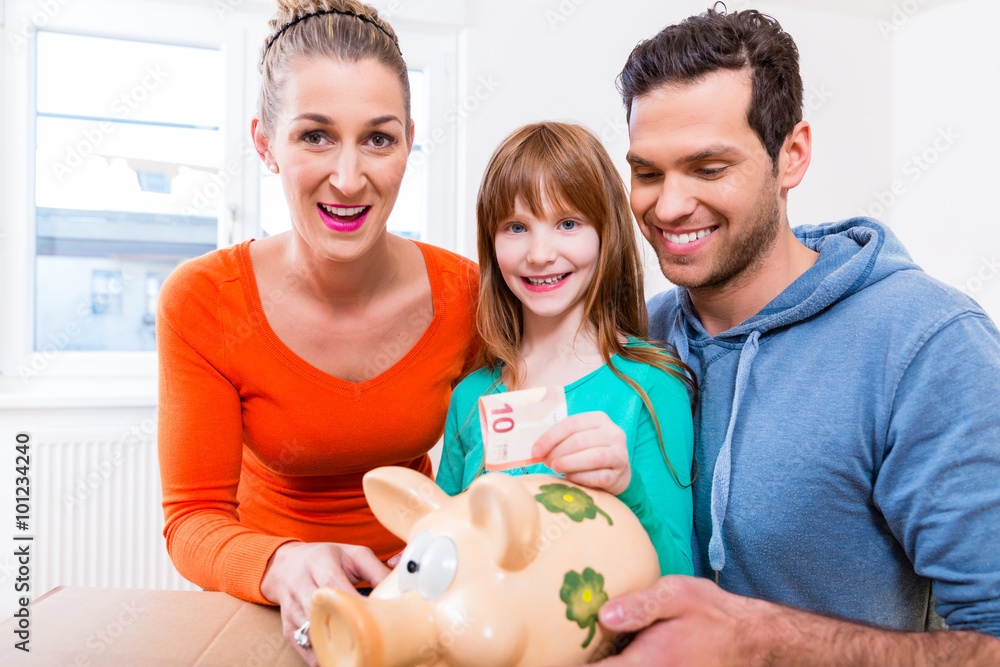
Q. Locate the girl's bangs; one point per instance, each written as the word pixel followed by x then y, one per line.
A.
pixel 539 171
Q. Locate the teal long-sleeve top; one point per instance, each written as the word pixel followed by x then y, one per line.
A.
pixel 662 505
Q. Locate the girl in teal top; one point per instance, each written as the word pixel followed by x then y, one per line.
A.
pixel 561 305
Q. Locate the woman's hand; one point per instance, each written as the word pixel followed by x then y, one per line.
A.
pixel 297 569
pixel 589 449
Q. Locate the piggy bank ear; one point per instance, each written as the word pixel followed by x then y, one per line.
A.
pixel 507 514
pixel 400 497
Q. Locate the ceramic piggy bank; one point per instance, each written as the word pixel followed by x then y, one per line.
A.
pixel 510 572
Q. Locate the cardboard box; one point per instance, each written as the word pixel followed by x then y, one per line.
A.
pixel 89 627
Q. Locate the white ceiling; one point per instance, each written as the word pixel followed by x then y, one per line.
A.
pixel 875 8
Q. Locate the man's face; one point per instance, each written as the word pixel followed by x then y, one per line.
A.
pixel 703 187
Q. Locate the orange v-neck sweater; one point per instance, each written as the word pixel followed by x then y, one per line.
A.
pixel 258 448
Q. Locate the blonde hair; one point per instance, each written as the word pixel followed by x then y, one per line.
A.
pixel 343 30
pixel 569 165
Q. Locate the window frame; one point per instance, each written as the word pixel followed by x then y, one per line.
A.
pixel 236 28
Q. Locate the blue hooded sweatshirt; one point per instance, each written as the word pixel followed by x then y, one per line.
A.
pixel 848 437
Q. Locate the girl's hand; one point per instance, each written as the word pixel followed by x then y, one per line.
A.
pixel 589 449
pixel 297 569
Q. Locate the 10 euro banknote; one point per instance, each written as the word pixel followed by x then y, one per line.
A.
pixel 513 421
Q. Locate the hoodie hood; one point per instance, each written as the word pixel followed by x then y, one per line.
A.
pixel 853 254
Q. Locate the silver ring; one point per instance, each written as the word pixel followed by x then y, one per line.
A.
pixel 301 636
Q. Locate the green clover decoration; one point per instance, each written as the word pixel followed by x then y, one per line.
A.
pixel 571 501
pixel 583 594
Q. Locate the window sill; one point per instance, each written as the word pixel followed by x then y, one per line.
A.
pixel 48 393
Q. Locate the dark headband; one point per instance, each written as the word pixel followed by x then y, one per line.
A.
pixel 320 13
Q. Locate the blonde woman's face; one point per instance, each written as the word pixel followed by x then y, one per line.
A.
pixel 340 142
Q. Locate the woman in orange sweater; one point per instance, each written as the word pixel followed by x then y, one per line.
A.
pixel 292 365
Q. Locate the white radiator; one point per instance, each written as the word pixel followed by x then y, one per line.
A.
pixel 97 518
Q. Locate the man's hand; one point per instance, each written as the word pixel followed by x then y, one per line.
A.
pixel 692 622
pixel 687 621
pixel 297 569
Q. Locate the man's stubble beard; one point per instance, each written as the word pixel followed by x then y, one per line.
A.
pixel 744 255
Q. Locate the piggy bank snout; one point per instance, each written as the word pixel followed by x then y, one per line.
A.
pixel 347 631
pixel 342 631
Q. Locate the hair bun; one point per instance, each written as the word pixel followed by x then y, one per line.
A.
pixel 292 10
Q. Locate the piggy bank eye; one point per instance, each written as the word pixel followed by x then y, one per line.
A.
pixel 409 562
pixel 428 565
pixel 437 568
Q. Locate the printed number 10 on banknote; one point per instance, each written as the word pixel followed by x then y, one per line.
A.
pixel 513 421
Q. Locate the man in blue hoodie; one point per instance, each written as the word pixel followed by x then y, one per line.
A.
pixel 848 422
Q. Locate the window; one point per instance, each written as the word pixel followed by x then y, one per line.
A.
pixel 121 160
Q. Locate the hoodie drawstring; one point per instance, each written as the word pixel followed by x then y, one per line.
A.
pixel 720 476
pixel 678 336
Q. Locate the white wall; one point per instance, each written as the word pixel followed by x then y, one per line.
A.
pixel 878 81
pixel 945 107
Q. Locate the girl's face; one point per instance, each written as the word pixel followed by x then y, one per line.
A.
pixel 548 262
pixel 340 143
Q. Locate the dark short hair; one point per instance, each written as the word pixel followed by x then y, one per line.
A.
pixel 699 45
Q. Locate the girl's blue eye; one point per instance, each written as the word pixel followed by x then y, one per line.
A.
pixel 517 228
pixel 568 225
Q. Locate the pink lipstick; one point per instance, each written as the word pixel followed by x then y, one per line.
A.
pixel 342 223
